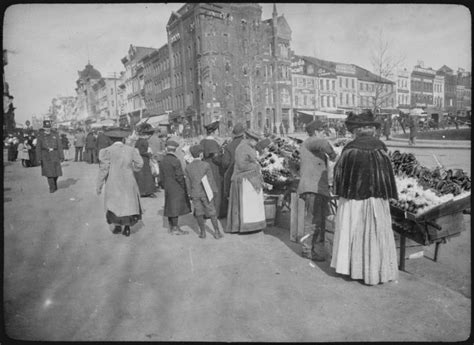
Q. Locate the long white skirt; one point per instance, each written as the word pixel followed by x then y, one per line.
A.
pixel 364 245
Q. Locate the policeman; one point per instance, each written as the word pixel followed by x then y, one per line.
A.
pixel 49 152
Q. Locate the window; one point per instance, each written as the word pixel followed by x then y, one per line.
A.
pixel 327 84
pixel 111 91
pixel 340 82
pixel 347 96
pixel 347 83
pixel 333 85
pixel 321 84
pixel 340 98
pixel 353 99
pixel 353 85
pixel 296 100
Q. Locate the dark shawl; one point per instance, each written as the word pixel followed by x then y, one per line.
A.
pixel 364 170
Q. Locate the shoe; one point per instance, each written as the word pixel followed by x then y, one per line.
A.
pixel 52 190
pixel 117 229
pixel 313 256
pixel 177 231
pixel 217 234
pixel 202 234
pixel 126 231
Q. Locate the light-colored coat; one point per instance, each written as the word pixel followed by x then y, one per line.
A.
pixel 313 166
pixel 117 164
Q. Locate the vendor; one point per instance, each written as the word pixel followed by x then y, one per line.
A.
pixel 313 187
pixel 364 245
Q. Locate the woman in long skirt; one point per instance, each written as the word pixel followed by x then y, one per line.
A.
pixel 212 155
pixel 246 210
pixel 364 244
pixel 121 196
pixel 144 177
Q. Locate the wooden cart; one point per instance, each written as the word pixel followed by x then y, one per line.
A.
pixel 435 226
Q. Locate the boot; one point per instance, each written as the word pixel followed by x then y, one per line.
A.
pixel 203 233
pixel 117 229
pixel 215 225
pixel 126 230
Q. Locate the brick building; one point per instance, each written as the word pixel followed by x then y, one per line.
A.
pixel 450 82
pixel 422 80
pixel 402 80
pixel 106 95
pixel 133 84
pixel 228 64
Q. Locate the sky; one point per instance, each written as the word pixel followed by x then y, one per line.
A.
pixel 49 43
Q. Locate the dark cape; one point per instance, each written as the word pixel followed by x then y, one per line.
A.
pixel 176 195
pixel 364 170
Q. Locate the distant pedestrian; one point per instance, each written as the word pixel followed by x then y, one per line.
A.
pixel 79 142
pixel 413 125
pixel 121 195
pixel 49 152
pixel 176 195
pixel 203 206
pixel 23 154
pixel 387 125
pixel 90 154
pixel 65 143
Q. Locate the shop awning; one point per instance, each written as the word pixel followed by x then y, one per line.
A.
pixel 155 121
pixel 104 123
pixel 323 113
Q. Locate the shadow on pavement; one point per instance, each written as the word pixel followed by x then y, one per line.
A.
pixel 67 183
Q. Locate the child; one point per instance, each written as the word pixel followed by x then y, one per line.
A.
pixel 195 171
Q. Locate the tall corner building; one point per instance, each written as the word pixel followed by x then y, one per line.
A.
pixel 228 64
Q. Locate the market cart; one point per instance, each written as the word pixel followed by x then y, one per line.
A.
pixel 435 226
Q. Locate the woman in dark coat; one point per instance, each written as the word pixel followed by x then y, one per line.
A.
pixel 212 155
pixel 144 177
pixel 176 195
pixel 228 161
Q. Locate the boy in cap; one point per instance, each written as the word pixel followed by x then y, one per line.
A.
pixel 195 172
pixel 173 182
pixel 313 187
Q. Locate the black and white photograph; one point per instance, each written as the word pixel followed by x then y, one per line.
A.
pixel 237 172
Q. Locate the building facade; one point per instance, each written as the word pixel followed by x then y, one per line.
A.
pixel 422 80
pixel 450 82
pixel 133 84
pixel 438 92
pixel 402 80
pixel 106 91
pixel 8 108
pixel 86 106
pixel 227 64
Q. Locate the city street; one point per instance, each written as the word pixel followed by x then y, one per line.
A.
pixel 67 277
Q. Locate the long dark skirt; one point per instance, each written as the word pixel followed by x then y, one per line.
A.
pixel 145 180
pixel 125 220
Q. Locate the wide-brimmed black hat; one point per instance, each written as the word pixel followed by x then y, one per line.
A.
pixel 145 129
pixel 212 126
pixel 47 124
pixel 314 125
pixel 367 118
pixel 238 130
pixel 117 133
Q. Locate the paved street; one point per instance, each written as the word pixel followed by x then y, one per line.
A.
pixel 67 277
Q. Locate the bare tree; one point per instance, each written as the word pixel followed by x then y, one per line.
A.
pixel 385 63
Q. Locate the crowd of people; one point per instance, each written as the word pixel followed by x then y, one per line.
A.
pixel 215 180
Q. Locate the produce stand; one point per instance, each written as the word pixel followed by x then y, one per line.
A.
pixel 435 226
